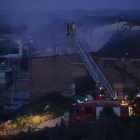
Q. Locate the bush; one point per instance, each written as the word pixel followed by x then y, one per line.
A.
pixel 25 118
pixel 84 84
pixel 111 128
pixel 34 113
pixel 107 111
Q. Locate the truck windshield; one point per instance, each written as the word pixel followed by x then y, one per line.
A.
pixel 75 109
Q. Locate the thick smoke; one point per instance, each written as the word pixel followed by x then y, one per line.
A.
pixel 43 32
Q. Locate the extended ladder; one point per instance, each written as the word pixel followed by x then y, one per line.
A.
pixel 95 72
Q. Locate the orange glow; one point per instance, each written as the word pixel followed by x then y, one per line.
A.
pixel 130 111
pixel 20 49
pixel 124 102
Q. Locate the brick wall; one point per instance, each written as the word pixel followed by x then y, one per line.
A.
pixel 48 73
pixel 114 76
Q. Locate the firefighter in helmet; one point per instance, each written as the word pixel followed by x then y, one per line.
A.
pixel 102 90
pixel 73 28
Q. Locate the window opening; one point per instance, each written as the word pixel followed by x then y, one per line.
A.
pixel 136 64
pixel 109 63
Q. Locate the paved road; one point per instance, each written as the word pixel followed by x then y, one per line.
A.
pixel 50 123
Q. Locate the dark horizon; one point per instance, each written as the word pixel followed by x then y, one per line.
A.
pixel 68 5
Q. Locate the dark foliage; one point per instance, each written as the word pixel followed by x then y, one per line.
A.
pixel 34 108
pixel 84 84
pixel 1 112
pixel 107 111
pixel 134 102
pixel 8 47
pixel 4 113
pixel 24 63
pixel 106 129
pixel 37 107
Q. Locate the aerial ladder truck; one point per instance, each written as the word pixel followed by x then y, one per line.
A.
pixel 89 111
pixel 97 75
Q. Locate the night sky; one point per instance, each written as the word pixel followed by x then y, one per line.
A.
pixel 68 4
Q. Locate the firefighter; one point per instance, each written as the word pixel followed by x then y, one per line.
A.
pixel 73 28
pixel 67 28
pixel 102 90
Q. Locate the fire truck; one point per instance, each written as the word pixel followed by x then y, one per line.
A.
pixel 90 110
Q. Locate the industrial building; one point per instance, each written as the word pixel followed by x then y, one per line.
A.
pixel 121 48
pixel 46 74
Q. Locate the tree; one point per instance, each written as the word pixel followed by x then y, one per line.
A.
pixel 8 47
pixel 107 111
pixel 84 84
pixel 134 102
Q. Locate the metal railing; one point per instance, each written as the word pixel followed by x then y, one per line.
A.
pixel 95 72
